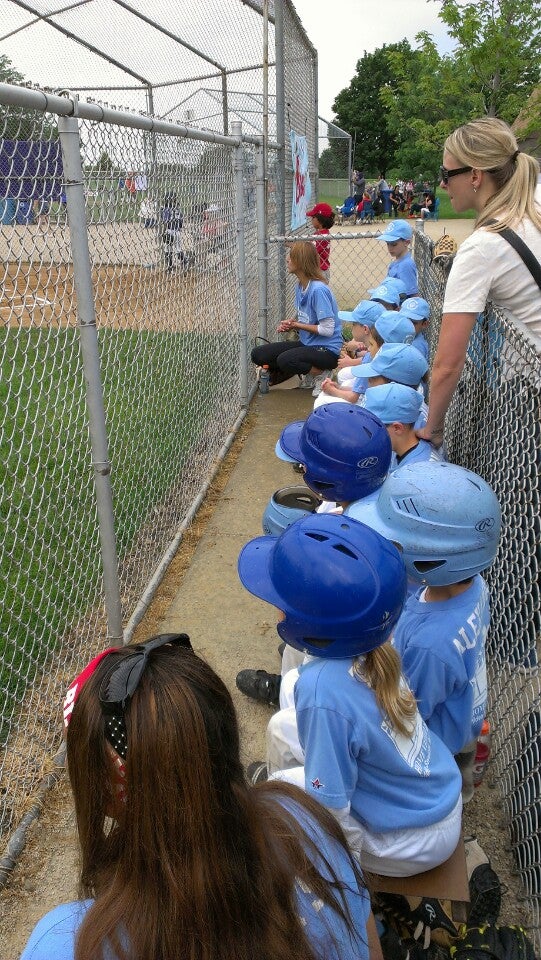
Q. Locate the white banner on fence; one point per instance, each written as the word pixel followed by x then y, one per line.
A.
pixel 302 188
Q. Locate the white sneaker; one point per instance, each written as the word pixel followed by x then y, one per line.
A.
pixel 307 381
pixel 318 381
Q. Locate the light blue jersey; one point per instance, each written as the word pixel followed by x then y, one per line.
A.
pixel 442 646
pixel 313 304
pixel 421 343
pixel 405 270
pixel 422 453
pixel 354 756
pixel 360 384
pixel 53 938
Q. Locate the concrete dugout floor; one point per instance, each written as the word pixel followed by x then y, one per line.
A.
pixel 228 626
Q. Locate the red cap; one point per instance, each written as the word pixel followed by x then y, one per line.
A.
pixel 320 208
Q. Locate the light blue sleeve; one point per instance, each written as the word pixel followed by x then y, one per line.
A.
pixel 53 937
pixel 330 762
pixel 430 678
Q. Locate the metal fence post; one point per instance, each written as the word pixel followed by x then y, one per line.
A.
pixel 238 170
pixel 262 241
pixel 279 42
pixel 68 128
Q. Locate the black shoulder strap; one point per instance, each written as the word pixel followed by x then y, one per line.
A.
pixel 524 253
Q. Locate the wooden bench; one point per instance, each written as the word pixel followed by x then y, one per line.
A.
pixel 449 881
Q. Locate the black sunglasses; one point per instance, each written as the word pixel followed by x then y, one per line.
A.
pixel 445 174
pixel 121 681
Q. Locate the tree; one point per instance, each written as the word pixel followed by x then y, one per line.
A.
pixel 333 161
pixel 498 47
pixel 429 97
pixel 359 109
pixel 16 123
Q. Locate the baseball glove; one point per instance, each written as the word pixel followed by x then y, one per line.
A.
pixel 425 921
pixel 493 943
pixel 444 252
pixel 446 246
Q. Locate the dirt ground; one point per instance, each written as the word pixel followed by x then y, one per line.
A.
pixel 201 595
pixel 132 289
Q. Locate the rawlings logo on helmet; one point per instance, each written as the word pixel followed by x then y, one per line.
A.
pixel 368 462
pixel 486 524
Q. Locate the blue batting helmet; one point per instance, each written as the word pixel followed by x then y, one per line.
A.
pixel 445 519
pixel 340 585
pixel 345 450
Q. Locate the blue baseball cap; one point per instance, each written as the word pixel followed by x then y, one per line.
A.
pixel 288 446
pixel 397 230
pixel 415 308
pixel 393 403
pixel 387 292
pixel 395 328
pixel 366 312
pixel 396 282
pixel 399 362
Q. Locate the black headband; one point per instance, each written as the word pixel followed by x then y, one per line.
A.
pixel 515 155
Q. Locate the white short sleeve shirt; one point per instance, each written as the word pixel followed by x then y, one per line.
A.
pixel 486 267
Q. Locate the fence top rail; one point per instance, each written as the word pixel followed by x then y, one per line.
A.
pixel 354 235
pixel 69 105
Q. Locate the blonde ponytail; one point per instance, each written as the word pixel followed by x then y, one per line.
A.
pixel 381 669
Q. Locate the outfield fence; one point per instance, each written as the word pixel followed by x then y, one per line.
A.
pixel 493 428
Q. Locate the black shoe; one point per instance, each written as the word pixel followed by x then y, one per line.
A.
pixel 260 685
pixel 257 772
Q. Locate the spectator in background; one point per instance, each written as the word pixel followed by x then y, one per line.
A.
pixel 42 210
pixel 359 184
pixel 172 218
pixel 397 202
pixel 148 212
pixel 429 204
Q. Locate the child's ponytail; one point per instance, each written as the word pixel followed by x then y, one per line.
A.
pixel 381 669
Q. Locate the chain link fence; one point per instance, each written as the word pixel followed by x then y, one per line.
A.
pixel 130 298
pixel 493 428
pixel 153 293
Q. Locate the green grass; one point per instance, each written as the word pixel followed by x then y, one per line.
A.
pixel 49 556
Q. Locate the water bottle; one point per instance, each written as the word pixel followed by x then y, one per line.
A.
pixel 264 378
pixel 481 754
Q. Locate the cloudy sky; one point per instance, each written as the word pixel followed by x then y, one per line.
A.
pixel 342 30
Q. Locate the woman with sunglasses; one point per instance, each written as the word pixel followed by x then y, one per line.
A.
pixel 180 858
pixel 484 170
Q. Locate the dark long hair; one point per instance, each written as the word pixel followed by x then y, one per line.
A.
pixel 195 863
